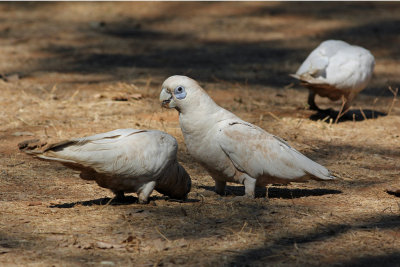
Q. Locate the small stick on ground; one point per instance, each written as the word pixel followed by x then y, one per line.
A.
pixel 340 111
pixel 394 92
pixel 363 114
pixel 158 230
pixel 274 116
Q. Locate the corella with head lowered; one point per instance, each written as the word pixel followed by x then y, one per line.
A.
pixel 125 160
pixel 231 149
pixel 336 69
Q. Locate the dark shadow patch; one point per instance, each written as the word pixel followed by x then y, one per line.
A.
pixel 166 198
pixel 276 192
pixel 394 192
pixel 351 115
pixel 390 259
pixel 100 201
pixel 288 193
pixel 128 200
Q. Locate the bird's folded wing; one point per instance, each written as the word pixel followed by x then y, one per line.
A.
pixel 258 153
pixel 344 71
pixel 314 65
pixel 119 152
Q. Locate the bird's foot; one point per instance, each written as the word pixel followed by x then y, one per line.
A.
pixel 220 187
pixel 119 197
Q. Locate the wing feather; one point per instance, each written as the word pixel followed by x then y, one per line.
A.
pixel 258 153
pixel 120 152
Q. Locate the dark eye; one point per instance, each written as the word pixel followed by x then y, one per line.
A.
pixel 179 89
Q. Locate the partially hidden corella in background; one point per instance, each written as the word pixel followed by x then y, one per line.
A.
pixel 336 69
pixel 231 149
pixel 125 160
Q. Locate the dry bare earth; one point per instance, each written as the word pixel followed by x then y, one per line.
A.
pixel 65 65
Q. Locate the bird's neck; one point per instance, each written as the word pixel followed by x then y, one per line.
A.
pixel 203 116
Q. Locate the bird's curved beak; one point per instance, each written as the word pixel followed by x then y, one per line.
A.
pixel 166 99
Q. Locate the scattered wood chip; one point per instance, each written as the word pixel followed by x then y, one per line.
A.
pixel 136 96
pixel 180 243
pixel 34 203
pixel 16 164
pixel 23 134
pixel 88 246
pixel 120 98
pixel 55 202
pixel 129 239
pixel 99 96
pixel 159 244
pixel 11 78
pixel 4 250
pixel 31 144
pixel 109 263
pixel 55 238
pixel 105 245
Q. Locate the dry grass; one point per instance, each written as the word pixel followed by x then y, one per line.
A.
pixel 72 70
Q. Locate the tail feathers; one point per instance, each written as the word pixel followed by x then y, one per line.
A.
pixel 328 176
pixel 316 170
pixel 319 172
pixel 48 158
pixel 42 155
pixel 29 146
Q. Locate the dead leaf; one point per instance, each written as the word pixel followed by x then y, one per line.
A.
pixel 180 243
pixel 31 144
pixel 105 245
pixel 136 96
pixel 4 250
pixel 35 203
pixel 23 134
pixel 159 244
pixel 12 78
pixel 120 98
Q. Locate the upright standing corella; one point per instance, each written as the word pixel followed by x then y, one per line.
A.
pixel 336 69
pixel 125 160
pixel 231 149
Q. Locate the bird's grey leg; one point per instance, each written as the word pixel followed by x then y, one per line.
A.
pixel 249 186
pixel 145 191
pixel 311 100
pixel 220 187
pixel 119 195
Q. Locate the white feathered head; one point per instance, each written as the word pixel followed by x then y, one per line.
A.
pixel 183 93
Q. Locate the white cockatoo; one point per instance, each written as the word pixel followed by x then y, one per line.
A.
pixel 231 149
pixel 125 160
pixel 336 69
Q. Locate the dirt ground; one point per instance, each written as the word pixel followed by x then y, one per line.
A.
pixel 76 69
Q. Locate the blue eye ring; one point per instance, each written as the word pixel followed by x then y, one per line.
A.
pixel 180 92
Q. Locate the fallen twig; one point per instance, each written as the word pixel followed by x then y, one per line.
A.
pixel 394 92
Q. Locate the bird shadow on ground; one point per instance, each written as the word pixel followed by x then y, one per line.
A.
pixel 351 115
pixel 128 200
pixel 276 192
